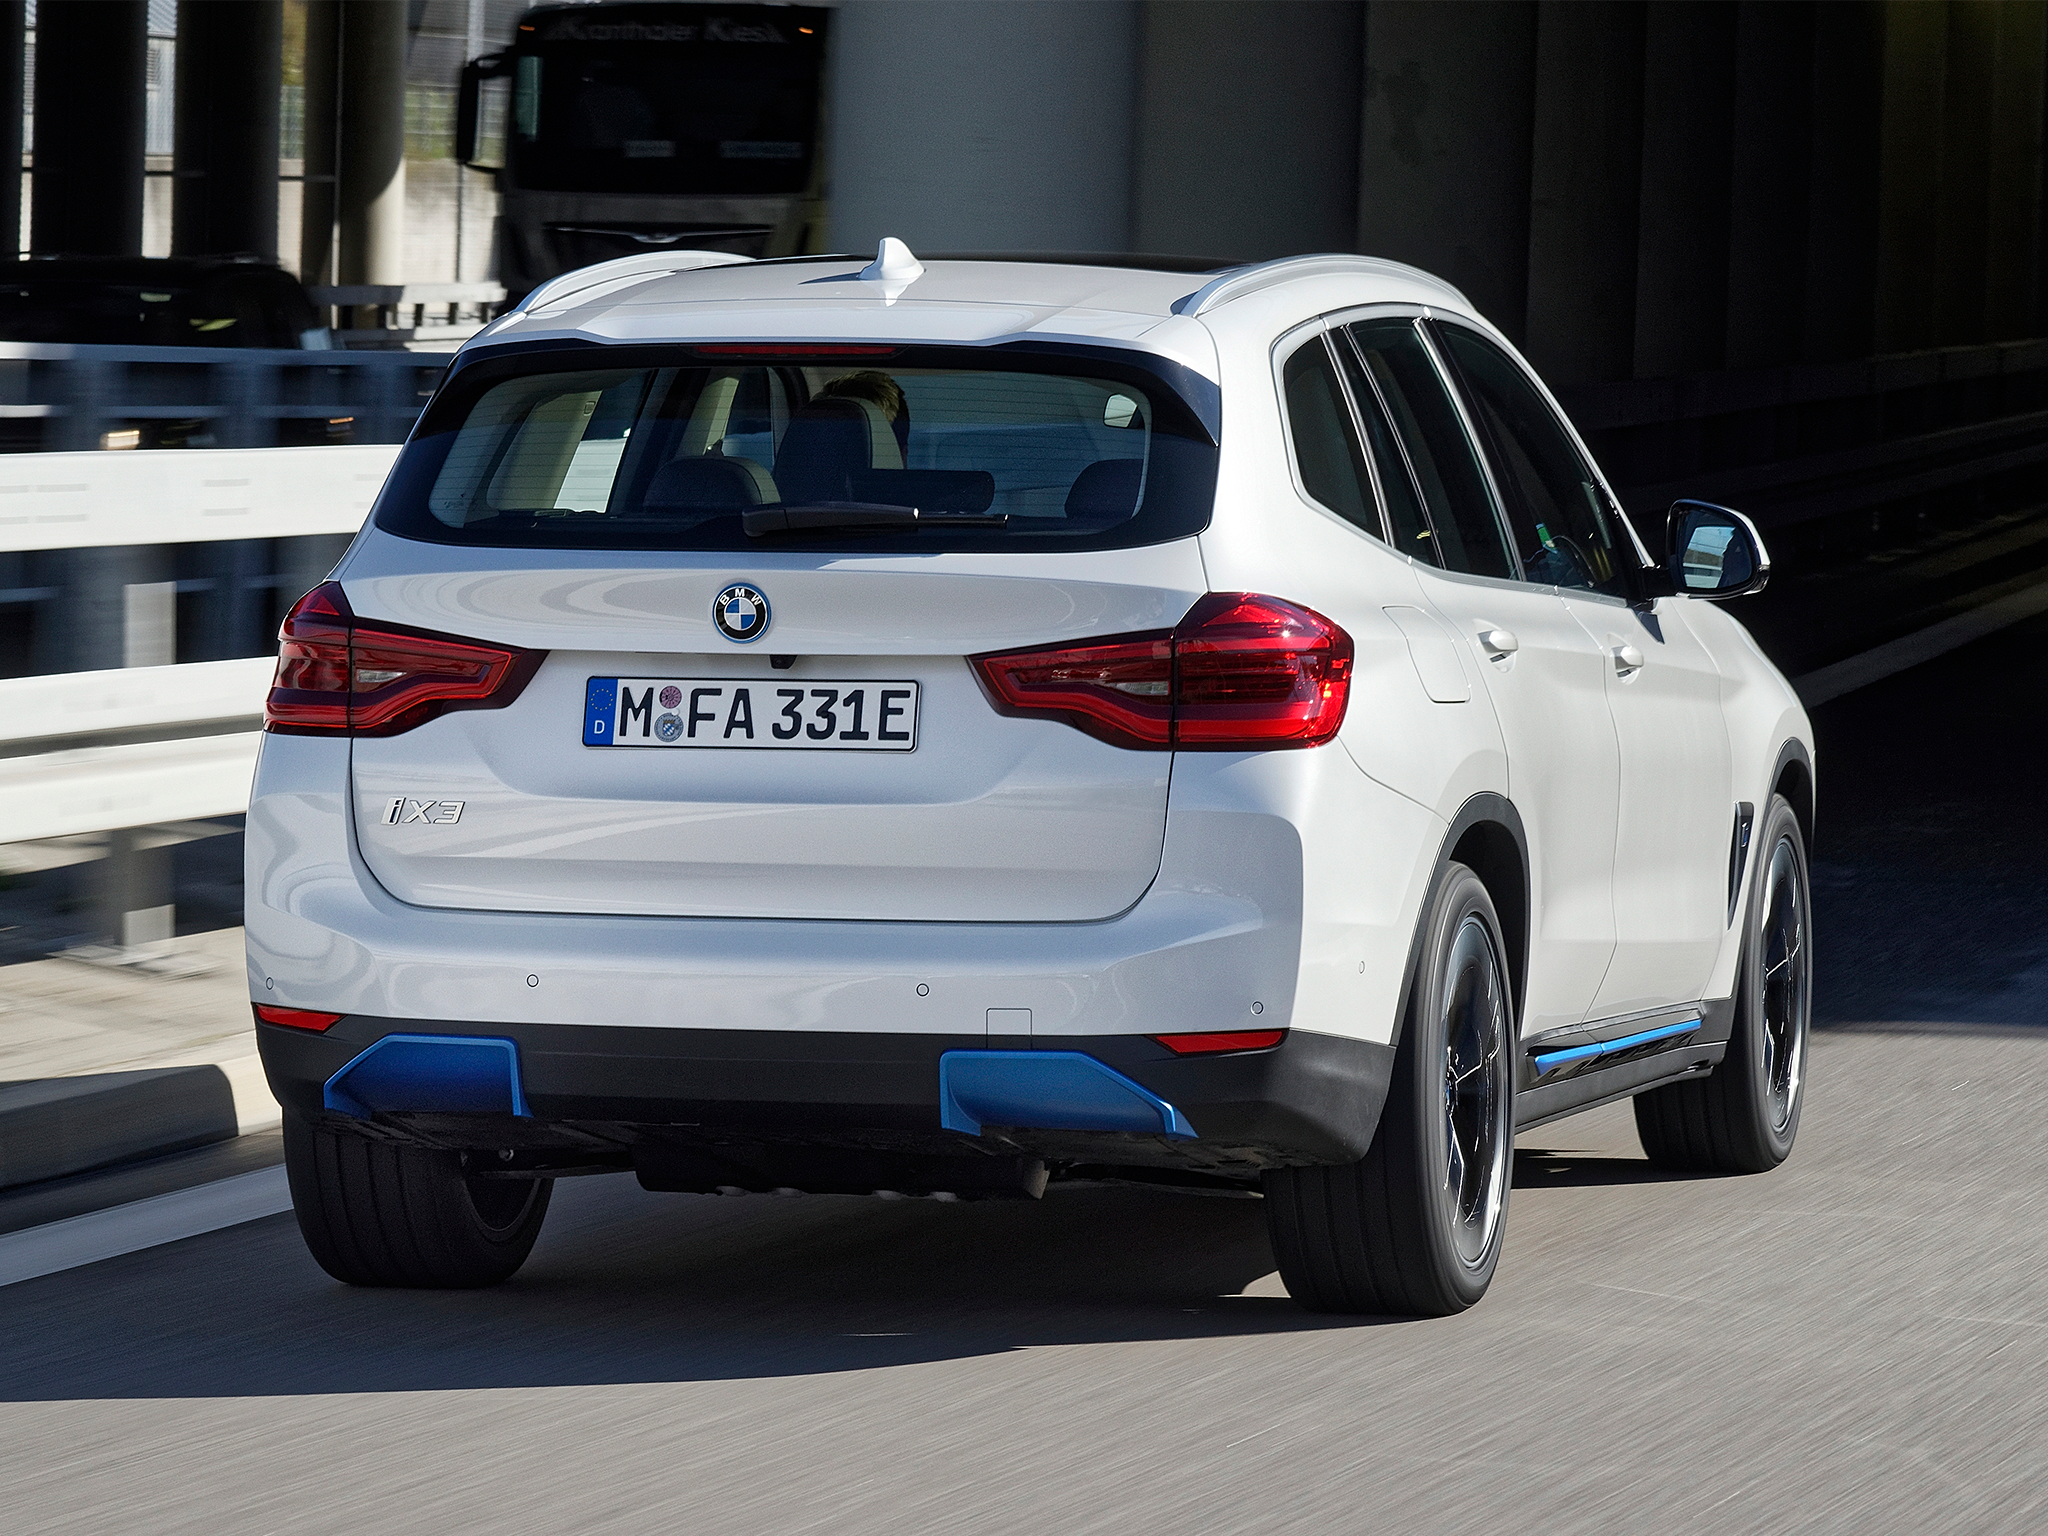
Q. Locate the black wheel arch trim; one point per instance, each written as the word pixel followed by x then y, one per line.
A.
pixel 1793 754
pixel 1510 894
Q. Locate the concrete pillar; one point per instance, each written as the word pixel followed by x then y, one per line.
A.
pixel 13 23
pixel 92 632
pixel 1843 189
pixel 1767 217
pixel 317 208
pixel 1443 166
pixel 983 127
pixel 91 60
pixel 2012 243
pixel 1248 114
pixel 229 61
pixel 1585 186
pixel 372 170
pixel 2017 297
pixel 1909 208
pixel 135 893
pixel 1964 201
pixel 1688 145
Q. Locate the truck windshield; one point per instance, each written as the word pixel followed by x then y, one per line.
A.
pixel 678 455
pixel 667 99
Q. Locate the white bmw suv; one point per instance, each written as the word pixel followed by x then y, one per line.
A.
pixel 818 726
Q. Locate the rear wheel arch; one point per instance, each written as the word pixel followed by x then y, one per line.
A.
pixel 1487 837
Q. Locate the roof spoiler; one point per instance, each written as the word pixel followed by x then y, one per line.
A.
pixel 654 264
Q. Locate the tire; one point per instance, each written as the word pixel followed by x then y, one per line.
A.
pixel 1743 1118
pixel 1414 1227
pixel 377 1214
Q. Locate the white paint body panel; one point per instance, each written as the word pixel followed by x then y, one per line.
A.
pixel 990 819
pixel 1015 866
pixel 1675 814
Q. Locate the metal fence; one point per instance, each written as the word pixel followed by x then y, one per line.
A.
pixel 65 397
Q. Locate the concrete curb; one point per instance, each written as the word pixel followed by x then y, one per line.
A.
pixel 54 1126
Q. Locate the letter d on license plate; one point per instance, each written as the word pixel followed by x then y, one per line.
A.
pixel 727 712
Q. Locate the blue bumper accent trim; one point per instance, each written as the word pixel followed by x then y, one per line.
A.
pixel 442 1074
pixel 1550 1061
pixel 1048 1091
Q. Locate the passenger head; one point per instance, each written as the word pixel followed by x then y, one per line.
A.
pixel 871 385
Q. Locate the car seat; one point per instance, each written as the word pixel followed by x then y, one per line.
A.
pixel 829 439
pixel 709 484
pixel 1108 488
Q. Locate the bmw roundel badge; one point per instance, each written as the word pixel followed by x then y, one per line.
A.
pixel 741 613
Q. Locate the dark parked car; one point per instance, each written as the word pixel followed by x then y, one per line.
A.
pixel 142 301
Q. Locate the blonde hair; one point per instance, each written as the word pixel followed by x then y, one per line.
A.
pixel 869 384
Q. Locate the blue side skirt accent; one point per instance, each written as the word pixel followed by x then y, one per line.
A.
pixel 1550 1061
pixel 1048 1091
pixel 449 1074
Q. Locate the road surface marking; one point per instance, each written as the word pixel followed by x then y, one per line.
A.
pixel 120 1229
pixel 1816 688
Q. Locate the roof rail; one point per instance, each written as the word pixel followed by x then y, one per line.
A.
pixel 653 264
pixel 1235 285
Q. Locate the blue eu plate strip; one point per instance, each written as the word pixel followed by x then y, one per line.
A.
pixel 1550 1061
pixel 600 706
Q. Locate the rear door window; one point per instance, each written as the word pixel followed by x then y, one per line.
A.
pixel 1464 525
pixel 1567 532
pixel 674 454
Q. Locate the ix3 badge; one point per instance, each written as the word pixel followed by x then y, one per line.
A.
pixel 741 613
pixel 402 810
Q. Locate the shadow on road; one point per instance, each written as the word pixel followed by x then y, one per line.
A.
pixel 631 1287
pixel 1541 1168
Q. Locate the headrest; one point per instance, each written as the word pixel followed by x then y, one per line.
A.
pixel 711 484
pixel 829 439
pixel 1106 488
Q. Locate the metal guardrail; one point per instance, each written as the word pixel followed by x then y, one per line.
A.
pixel 247 396
pixel 94 500
pixel 100 751
pixel 398 313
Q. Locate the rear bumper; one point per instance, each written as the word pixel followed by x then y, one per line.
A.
pixel 766 1102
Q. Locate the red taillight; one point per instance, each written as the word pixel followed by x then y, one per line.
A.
pixel 1119 690
pixel 294 1018
pixel 1223 1040
pixel 1239 672
pixel 337 674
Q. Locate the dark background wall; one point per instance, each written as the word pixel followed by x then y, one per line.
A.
pixel 1646 190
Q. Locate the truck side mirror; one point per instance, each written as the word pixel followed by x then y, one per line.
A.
pixel 468 106
pixel 1714 552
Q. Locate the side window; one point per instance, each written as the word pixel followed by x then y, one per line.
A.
pixel 1567 533
pixel 1408 524
pixel 1325 448
pixel 1465 527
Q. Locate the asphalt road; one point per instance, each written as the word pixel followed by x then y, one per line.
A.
pixel 1857 1342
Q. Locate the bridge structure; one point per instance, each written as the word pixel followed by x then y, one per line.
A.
pixel 1788 256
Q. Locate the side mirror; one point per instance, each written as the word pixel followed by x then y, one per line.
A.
pixel 468 107
pixel 1714 552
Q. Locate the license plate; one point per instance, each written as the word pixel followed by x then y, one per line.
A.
pixel 726 712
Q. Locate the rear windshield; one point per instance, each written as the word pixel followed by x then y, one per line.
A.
pixel 676 453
